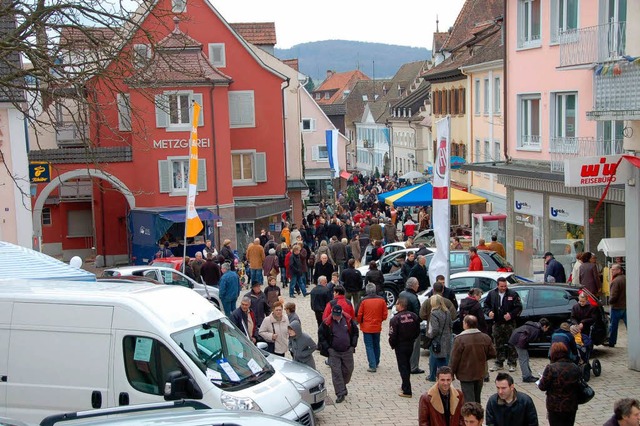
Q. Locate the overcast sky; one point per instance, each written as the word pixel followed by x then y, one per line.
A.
pixel 401 22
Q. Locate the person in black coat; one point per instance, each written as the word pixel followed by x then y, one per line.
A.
pixel 404 329
pixel 470 305
pixel 419 271
pixel 375 276
pixel 509 407
pixel 553 271
pixel 410 294
pixel 320 296
pixel 245 320
pixel 447 293
pixel 323 268
pixel 408 265
pixel 503 306
pixel 352 281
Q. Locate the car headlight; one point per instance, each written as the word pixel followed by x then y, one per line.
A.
pixel 298 386
pixel 237 403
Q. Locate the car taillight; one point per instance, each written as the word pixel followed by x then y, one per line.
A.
pixel 505 269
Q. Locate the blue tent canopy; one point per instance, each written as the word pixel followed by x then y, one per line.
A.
pixel 21 262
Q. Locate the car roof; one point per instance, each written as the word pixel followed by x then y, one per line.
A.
pixel 545 286
pixel 133 268
pixel 128 278
pixel 481 274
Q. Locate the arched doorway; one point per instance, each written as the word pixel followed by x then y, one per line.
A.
pixel 86 209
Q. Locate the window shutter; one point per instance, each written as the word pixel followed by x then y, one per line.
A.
pixel 241 109
pixel 124 112
pixel 261 166
pixel 165 176
pixel 555 29
pixel 162 111
pixel 202 174
pixel 315 153
pixel 198 98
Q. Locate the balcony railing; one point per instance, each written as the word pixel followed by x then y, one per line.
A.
pixel 71 134
pixel 567 148
pixel 616 92
pixel 585 46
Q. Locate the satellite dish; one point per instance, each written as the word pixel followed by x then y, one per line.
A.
pixel 76 262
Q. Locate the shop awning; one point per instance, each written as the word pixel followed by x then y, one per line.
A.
pixel 422 195
pixel 179 215
pixel 612 247
pixel 345 175
pixel 21 262
pixel 459 198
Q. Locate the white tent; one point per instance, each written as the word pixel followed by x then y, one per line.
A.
pixel 612 247
pixel 21 262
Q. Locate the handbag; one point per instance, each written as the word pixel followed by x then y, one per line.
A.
pixel 585 392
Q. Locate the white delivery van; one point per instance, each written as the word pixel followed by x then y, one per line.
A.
pixel 69 346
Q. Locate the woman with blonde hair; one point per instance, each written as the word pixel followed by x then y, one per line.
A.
pixel 439 331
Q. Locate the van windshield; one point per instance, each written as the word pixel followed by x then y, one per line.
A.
pixel 224 354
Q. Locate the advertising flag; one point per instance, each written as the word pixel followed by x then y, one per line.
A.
pixel 332 151
pixel 193 224
pixel 441 209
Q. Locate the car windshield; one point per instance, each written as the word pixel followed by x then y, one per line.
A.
pixel 511 279
pixel 164 265
pixel 224 354
pixel 501 262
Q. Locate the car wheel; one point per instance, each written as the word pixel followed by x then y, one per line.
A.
pixel 391 296
pixel 597 367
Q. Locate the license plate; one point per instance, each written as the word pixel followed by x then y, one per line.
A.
pixel 320 396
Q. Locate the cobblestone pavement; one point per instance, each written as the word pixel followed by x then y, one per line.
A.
pixel 373 397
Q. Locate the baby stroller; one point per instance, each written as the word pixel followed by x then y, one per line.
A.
pixel 584 343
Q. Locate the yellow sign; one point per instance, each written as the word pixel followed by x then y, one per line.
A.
pixel 520 245
pixel 39 172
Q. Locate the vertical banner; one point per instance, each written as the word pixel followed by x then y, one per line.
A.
pixel 441 209
pixel 332 151
pixel 193 224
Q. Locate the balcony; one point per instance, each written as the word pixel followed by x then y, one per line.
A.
pixel 590 45
pixel 616 92
pixel 71 134
pixel 568 148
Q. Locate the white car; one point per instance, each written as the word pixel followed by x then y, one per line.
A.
pixel 388 249
pixel 462 282
pixel 167 276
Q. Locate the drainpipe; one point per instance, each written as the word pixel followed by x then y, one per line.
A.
pixel 284 139
pixel 505 81
pixel 215 160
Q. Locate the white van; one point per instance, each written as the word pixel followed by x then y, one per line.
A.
pixel 68 346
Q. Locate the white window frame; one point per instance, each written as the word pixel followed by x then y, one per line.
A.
pixel 237 100
pixel 497 97
pixel 179 6
pixel 497 150
pixel 559 18
pixel 258 167
pixel 532 142
pixel 308 125
pixel 316 153
pixel 526 36
pixel 318 96
pixel 223 58
pixel 559 127
pixel 141 55
pixel 476 107
pixel 486 105
pixel 166 166
pixel 327 95
pixel 124 112
pixel 163 111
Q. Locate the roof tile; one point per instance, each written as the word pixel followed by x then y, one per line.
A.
pixel 258 33
pixel 337 83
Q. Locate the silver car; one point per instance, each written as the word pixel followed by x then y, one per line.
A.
pixel 167 276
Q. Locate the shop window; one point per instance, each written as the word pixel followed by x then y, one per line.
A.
pixel 217 56
pixel 46 216
pixel 174 110
pixel 148 364
pixel 174 175
pixel 248 167
pixel 241 109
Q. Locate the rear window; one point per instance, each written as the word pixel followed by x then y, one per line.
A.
pixel 109 273
pixel 500 261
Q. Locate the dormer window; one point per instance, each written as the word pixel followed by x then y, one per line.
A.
pixel 178 6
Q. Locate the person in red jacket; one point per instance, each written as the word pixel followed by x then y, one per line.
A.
pixel 340 299
pixel 371 313
pixel 475 263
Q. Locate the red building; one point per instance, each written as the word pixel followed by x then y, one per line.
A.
pixel 124 188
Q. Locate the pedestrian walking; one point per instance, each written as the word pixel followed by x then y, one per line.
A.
pixel 375 276
pixel 439 331
pixel 245 320
pixel 229 289
pixel 560 380
pixel 509 407
pixel 371 314
pixel 340 299
pixel 272 291
pixel 419 271
pixel 301 345
pixel 271 266
pixel 503 306
pixel 296 272
pixel 323 267
pixel 352 281
pixel 553 271
pixel 442 404
pixel 404 328
pixel 321 295
pixel 411 294
pixel 259 304
pixel 337 339
pixel 521 337
pixel 618 302
pixel 471 350
pixel 255 256
pixel 274 330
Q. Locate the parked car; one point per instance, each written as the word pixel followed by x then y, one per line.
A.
pixel 388 249
pixel 131 279
pixel 169 276
pixel 462 282
pixel 307 381
pixel 189 413
pixel 423 237
pixel 459 262
pixel 169 262
pixel 554 302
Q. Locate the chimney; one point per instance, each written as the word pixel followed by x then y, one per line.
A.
pixel 330 74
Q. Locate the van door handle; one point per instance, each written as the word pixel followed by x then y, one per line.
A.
pixel 123 398
pixel 96 399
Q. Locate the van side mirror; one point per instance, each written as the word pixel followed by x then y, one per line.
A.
pixel 180 386
pixel 262 345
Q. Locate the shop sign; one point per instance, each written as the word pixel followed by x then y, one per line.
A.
pixel 595 171
pixel 180 143
pixel 527 203
pixel 39 172
pixel 566 210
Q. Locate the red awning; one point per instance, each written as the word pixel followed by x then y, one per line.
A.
pixel 345 175
pixel 632 159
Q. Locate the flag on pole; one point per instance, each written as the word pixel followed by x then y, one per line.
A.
pixel 441 208
pixel 193 223
pixel 332 151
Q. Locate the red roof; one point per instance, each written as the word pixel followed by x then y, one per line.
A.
pixel 258 33
pixel 85 37
pixel 337 83
pixel 293 63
